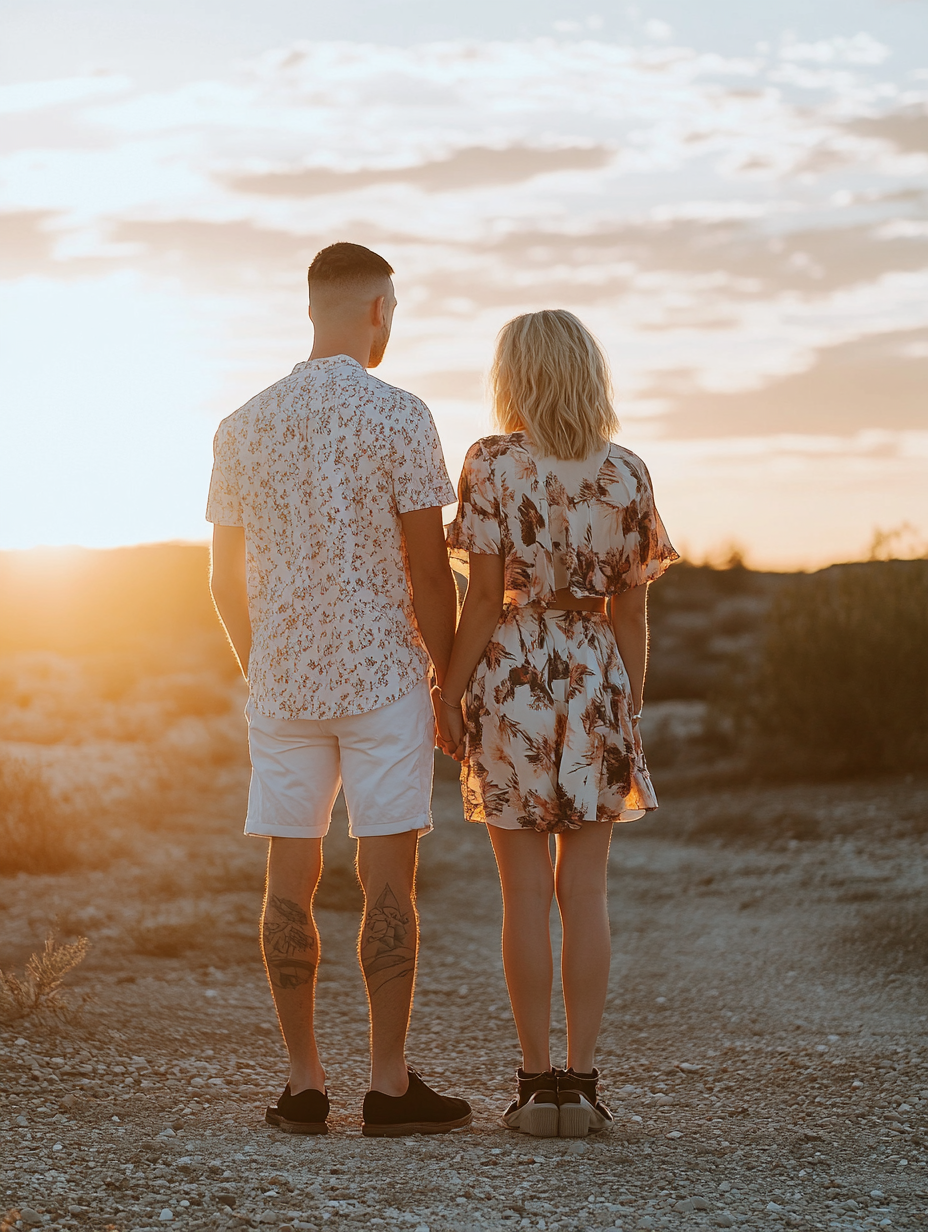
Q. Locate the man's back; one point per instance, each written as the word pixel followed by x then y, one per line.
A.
pixel 317 469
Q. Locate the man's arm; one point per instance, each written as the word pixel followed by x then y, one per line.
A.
pixel 228 588
pixel 434 594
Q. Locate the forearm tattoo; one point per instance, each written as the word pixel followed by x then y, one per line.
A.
pixel 388 947
pixel 289 950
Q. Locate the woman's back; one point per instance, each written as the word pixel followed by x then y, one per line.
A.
pixel 585 525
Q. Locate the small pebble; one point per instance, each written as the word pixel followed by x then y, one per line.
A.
pixel 166 1215
pixel 722 1220
pixel 577 1148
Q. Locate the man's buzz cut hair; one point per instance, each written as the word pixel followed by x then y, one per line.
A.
pixel 347 263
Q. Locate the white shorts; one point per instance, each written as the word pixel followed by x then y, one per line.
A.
pixel 384 759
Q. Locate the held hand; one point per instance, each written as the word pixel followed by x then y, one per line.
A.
pixel 454 725
pixel 450 725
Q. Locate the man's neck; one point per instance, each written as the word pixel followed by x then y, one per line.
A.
pixel 354 347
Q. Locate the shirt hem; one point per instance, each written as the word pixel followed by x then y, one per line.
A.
pixel 343 714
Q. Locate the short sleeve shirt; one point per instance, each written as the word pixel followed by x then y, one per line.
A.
pixel 317 470
pixel 603 536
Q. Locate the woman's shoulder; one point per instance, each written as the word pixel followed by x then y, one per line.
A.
pixel 629 464
pixel 490 448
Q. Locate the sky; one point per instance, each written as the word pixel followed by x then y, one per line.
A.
pixel 731 195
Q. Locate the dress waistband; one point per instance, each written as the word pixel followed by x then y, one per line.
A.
pixel 536 610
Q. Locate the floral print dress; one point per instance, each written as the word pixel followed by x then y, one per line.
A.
pixel 550 741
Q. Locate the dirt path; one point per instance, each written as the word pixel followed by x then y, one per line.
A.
pixel 764 1047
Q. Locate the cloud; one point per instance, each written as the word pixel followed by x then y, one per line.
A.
pixel 216 252
pixel 877 382
pixel 471 167
pixel 32 95
pixel 28 244
pixel 464 384
pixel 862 48
pixel 906 129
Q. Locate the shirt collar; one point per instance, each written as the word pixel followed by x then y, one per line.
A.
pixel 327 359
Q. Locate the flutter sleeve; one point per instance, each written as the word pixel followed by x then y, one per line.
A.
pixel 649 552
pixel 476 525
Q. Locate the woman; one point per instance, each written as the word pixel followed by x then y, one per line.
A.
pixel 543 692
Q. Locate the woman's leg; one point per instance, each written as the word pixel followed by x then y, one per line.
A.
pixel 580 885
pixel 527 881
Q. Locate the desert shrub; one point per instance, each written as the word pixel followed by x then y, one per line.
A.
pixel 39 832
pixel 38 992
pixel 839 685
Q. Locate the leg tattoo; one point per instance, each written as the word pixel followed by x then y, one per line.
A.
pixel 386 951
pixel 288 950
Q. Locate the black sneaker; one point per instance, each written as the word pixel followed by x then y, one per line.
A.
pixel 300 1114
pixel 581 1110
pixel 420 1111
pixel 535 1111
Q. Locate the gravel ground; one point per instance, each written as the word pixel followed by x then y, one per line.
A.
pixel 764 1048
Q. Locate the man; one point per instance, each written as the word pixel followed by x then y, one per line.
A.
pixel 330 575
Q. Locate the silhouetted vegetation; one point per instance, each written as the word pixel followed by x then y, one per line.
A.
pixel 839 681
pixel 701 619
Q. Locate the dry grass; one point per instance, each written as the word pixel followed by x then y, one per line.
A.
pixel 39 831
pixel 38 992
pixel 839 685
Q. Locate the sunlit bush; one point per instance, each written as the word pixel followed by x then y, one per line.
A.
pixel 840 681
pixel 39 832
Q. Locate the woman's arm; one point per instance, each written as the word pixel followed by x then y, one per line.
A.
pixel 483 606
pixel 629 615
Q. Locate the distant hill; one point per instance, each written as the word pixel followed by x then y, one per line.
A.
pixel 153 602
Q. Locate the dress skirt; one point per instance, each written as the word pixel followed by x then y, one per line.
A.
pixel 550 741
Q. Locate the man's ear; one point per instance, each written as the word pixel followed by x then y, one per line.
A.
pixel 309 311
pixel 378 311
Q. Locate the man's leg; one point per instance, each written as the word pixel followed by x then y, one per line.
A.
pixel 387 947
pixel 291 951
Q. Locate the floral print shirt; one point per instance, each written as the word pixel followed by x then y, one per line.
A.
pixel 317 469
pixel 607 537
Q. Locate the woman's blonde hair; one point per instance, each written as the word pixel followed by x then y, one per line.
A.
pixel 550 378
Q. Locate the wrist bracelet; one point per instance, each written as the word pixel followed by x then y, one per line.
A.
pixel 444 701
pixel 636 717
